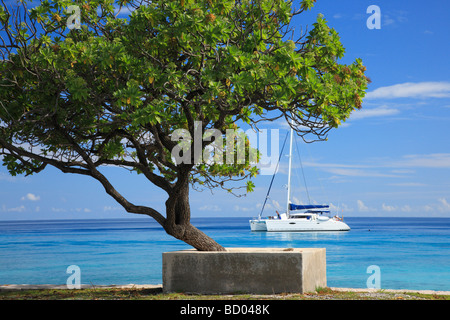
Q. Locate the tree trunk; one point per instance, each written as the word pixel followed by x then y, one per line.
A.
pixel 179 226
pixel 194 237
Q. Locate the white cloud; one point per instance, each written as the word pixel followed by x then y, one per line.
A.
pixel 209 207
pixel 81 210
pixel 405 171
pixel 444 205
pixel 31 197
pixel 332 165
pixel 432 160
pixel 341 208
pixel 345 208
pixel 9 178
pixel 296 200
pixel 436 208
pixel 408 184
pixel 352 170
pixel 111 208
pixel 441 206
pixel 388 208
pixel 276 205
pixel 362 207
pixel 412 90
pixel 359 173
pixel 387 20
pixel 406 208
pixel 244 209
pixel 15 209
pixel 382 111
pixel 392 18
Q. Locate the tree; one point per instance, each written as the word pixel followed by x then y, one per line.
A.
pixel 114 91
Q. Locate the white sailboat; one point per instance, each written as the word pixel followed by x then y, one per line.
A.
pixel 298 218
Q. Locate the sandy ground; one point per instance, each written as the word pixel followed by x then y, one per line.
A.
pixel 149 286
pixel 83 286
pixel 392 291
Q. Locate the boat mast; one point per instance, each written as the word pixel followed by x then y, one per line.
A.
pixel 289 171
pixel 273 176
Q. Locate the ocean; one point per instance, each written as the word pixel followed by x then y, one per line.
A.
pixel 403 253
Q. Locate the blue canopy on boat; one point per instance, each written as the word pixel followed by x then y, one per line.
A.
pixel 304 207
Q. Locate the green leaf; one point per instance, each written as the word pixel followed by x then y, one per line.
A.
pixel 250 186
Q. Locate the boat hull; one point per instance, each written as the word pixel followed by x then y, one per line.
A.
pixel 258 225
pixel 297 225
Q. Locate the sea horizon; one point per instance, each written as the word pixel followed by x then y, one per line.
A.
pixel 131 216
pixel 411 254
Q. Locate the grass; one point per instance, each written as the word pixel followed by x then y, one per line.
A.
pixel 157 294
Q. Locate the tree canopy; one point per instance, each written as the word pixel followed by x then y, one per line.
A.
pixel 113 91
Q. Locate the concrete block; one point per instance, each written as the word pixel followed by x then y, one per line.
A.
pixel 245 270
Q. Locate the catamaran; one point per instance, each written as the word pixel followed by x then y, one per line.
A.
pixel 298 217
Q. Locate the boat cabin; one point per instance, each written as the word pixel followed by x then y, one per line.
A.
pixel 307 216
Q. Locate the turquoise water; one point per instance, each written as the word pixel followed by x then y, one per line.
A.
pixel 411 253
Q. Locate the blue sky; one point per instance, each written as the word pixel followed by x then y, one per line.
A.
pixel 392 158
